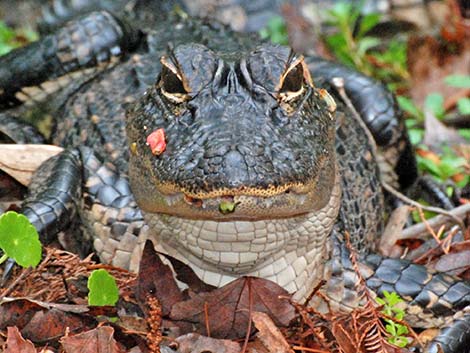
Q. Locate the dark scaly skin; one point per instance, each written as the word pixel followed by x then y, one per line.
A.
pixel 91 176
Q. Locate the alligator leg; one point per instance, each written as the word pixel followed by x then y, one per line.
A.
pixel 433 298
pixel 75 175
pixel 92 41
pixel 57 12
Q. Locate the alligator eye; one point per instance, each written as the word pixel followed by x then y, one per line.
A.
pixel 293 82
pixel 171 83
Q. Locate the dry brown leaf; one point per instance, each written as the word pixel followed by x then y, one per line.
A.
pixel 195 343
pixel 226 310
pixel 50 325
pixel 393 230
pixel 156 279
pixel 97 340
pixel 269 334
pixel 436 133
pixel 21 161
pixel 17 312
pixel 16 343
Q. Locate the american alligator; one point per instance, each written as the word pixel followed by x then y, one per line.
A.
pixel 222 150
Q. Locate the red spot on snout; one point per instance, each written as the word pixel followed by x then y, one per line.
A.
pixel 156 141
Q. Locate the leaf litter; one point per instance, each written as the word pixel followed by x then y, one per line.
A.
pixel 249 314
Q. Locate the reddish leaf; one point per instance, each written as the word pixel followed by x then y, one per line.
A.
pixel 97 340
pixel 156 278
pixel 194 343
pixel 51 325
pixel 16 343
pixel 269 334
pixel 17 313
pixel 227 309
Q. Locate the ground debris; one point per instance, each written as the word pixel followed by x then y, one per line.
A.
pixel 99 339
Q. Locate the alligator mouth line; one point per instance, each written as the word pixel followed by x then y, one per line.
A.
pixel 263 192
pixel 238 207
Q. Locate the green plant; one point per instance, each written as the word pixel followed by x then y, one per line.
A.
pixel 102 289
pixel 447 166
pixel 352 45
pixel 10 39
pixel 434 102
pixel 397 331
pixel 275 31
pixel 19 240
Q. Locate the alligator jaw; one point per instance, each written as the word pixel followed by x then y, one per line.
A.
pixel 284 250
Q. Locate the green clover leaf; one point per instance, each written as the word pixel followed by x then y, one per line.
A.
pixel 19 239
pixel 102 289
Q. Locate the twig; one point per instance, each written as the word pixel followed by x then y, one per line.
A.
pixel 306 349
pixel 338 83
pixel 411 202
pixel 250 310
pixel 437 237
pixel 451 101
pixel 206 319
pixel 418 230
pixel 423 259
pixel 314 291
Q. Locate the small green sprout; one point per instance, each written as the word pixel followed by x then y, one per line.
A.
pixel 19 240
pixel 11 39
pixel 449 166
pixel 354 46
pixel 397 331
pixel 102 289
pixel 226 207
pixel 275 31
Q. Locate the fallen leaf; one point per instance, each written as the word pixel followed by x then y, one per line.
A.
pixel 269 334
pixel 156 279
pixel 21 161
pixel 226 310
pixel 185 274
pixel 97 340
pixel 16 343
pixel 392 232
pixel 17 313
pixel 195 343
pixel 50 325
pixel 436 133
